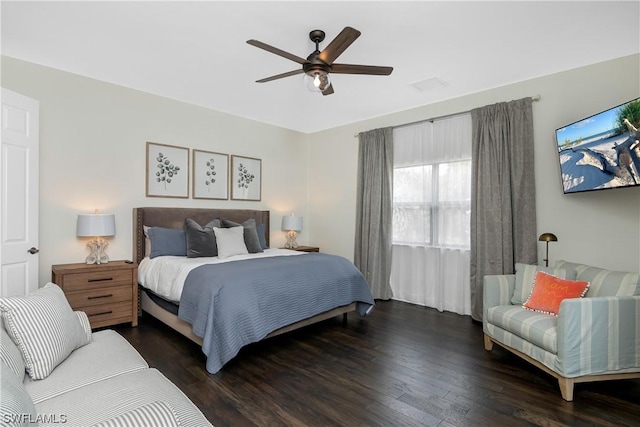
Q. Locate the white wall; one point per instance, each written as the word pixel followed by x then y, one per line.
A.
pixel 600 228
pixel 92 155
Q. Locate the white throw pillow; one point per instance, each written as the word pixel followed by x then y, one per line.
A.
pixel 84 322
pixel 230 241
pixel 44 327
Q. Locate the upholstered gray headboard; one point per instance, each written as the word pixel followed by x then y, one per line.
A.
pixel 174 218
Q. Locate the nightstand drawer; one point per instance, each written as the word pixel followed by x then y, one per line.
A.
pixel 87 298
pixel 96 279
pixel 108 293
pixel 109 314
pixel 306 249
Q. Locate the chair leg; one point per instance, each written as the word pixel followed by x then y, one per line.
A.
pixel 566 388
pixel 488 344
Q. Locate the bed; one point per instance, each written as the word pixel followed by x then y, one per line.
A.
pixel 271 305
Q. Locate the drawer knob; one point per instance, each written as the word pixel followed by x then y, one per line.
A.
pixel 100 296
pixel 103 279
pixel 101 313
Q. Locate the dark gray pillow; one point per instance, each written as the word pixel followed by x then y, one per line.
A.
pixel 251 239
pixel 201 241
pixel 262 235
pixel 167 241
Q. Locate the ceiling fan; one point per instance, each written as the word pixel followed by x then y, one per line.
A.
pixel 319 65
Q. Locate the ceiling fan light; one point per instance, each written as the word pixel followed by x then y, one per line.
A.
pixel 316 80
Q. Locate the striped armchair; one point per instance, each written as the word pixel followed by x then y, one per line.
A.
pixel 595 338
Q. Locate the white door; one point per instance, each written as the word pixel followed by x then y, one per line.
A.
pixel 19 194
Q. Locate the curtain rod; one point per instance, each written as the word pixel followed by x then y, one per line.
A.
pixel 534 98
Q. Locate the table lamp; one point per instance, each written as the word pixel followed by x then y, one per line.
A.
pixel 97 226
pixel 292 225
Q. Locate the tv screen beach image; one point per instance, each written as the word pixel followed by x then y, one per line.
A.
pixel 601 151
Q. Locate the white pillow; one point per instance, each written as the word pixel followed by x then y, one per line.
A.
pixel 84 322
pixel 230 241
pixel 147 241
pixel 44 327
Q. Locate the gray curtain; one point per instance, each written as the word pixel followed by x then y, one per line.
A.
pixel 503 204
pixel 374 207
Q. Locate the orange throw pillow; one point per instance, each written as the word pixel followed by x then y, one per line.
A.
pixel 549 291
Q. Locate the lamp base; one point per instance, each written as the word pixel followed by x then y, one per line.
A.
pixel 97 254
pixel 291 240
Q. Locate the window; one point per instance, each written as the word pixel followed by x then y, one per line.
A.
pixel 432 214
pixel 432 186
pixel 432 204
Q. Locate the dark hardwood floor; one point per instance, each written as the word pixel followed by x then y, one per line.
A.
pixel 405 365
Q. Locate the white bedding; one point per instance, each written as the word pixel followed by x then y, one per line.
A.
pixel 165 275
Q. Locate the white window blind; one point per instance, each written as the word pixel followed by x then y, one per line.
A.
pixel 432 183
pixel 432 213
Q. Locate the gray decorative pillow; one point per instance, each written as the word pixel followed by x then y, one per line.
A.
pixel 526 277
pixel 44 327
pixel 167 241
pixel 251 239
pixel 201 241
pixel 262 235
pixel 230 241
pixel 150 415
pixel 16 406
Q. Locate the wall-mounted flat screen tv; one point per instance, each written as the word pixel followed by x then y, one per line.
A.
pixel 601 151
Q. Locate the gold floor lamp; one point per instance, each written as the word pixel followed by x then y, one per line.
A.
pixel 547 237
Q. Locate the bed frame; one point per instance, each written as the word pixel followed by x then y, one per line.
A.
pixel 174 218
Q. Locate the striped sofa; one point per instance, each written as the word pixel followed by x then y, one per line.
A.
pixel 102 382
pixel 594 338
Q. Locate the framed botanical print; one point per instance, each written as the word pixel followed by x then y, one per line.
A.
pixel 246 178
pixel 210 178
pixel 167 172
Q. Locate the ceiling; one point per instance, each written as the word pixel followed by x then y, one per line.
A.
pixel 196 52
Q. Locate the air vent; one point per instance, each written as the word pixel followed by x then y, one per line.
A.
pixel 429 84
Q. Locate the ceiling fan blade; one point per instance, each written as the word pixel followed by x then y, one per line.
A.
pixel 360 69
pixel 277 51
pixel 328 90
pixel 280 76
pixel 339 45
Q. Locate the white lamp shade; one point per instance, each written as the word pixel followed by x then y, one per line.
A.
pixel 96 225
pixel 292 223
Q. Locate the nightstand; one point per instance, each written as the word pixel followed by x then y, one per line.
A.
pixel 108 293
pixel 307 249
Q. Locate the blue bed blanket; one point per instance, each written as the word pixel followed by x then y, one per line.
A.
pixel 237 303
